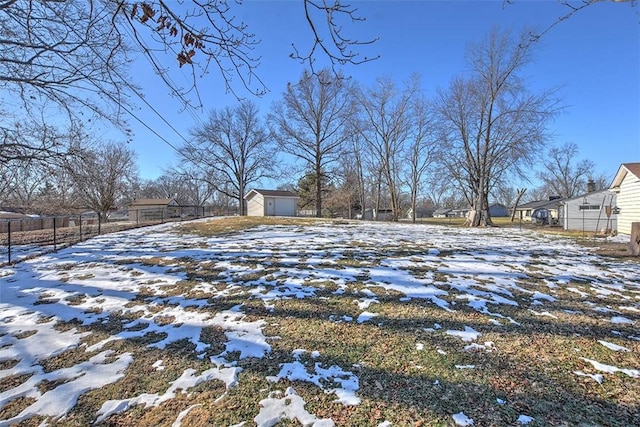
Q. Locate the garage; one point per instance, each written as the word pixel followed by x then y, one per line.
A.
pixel 271 203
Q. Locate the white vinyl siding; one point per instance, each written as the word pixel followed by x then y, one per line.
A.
pixel 590 216
pixel 629 203
pixel 255 205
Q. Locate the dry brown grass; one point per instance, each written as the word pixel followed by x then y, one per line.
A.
pixel 406 369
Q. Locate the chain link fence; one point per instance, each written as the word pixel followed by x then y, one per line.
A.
pixel 23 238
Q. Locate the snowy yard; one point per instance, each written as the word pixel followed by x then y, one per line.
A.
pixel 320 323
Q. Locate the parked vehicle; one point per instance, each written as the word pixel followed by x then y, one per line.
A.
pixel 541 216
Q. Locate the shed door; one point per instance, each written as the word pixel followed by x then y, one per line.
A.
pixel 285 207
pixel 271 206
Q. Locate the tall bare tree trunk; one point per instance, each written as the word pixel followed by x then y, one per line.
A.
pixel 521 192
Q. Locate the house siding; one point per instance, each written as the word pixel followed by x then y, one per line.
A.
pixel 255 205
pixel 629 203
pixel 572 217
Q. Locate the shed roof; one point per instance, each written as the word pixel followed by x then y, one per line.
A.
pixel 147 202
pixel 273 193
pixel 625 168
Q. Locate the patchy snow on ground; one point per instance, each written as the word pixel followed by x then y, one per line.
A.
pixel 346 382
pixel 469 334
pixel 462 420
pixel 612 346
pixel 290 407
pixel 130 276
pixel 610 369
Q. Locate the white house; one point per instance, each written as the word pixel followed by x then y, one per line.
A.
pixel 443 213
pixel 271 203
pixel 524 211
pixel 626 185
pixel 592 212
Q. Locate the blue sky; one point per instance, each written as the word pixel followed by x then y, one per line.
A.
pixel 593 57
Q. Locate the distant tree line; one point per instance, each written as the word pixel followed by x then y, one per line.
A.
pixel 354 147
pixel 348 148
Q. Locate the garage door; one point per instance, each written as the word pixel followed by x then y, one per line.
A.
pixel 285 207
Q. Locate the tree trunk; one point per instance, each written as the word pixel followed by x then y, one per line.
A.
pixel 479 215
pixel 521 192
pixel 634 243
pixel 318 190
pixel 241 207
pixel 374 214
pixel 413 207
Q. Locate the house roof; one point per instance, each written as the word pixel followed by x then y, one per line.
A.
pixel 582 196
pixel 625 168
pixel 146 202
pixel 442 211
pixel 538 204
pixel 273 193
pixel 11 215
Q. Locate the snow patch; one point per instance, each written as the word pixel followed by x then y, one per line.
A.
pixel 187 380
pixel 290 407
pixel 612 346
pixel 346 382
pixel 469 334
pixel 610 369
pixel 462 420
pixel 365 316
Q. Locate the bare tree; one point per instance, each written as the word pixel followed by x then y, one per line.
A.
pixel 385 127
pixel 572 7
pixel 102 175
pixel 35 140
pixel 423 150
pixel 563 174
pixel 328 34
pixel 196 189
pixel 312 123
pixel 30 152
pixel 233 147
pixel 493 124
pixel 26 184
pixel 67 53
pixel 74 53
pixel 520 194
pixel 188 185
pixel 357 154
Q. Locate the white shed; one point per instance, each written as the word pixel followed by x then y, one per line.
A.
pixel 271 203
pixel 626 185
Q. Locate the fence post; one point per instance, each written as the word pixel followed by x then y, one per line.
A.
pixel 54 233
pixel 9 241
pixel 99 223
pixel 80 227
